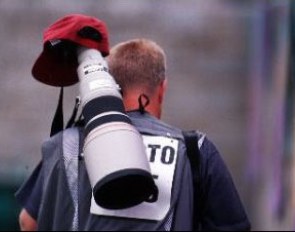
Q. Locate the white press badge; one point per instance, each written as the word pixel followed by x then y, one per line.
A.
pixel 162 154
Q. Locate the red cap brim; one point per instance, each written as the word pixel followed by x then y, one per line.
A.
pixel 49 68
pixel 49 71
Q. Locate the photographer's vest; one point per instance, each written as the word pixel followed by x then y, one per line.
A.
pixel 67 202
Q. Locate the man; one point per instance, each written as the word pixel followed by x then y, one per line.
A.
pixel 139 67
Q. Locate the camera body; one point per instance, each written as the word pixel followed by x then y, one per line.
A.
pixel 114 151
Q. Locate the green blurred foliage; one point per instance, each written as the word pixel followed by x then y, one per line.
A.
pixel 9 209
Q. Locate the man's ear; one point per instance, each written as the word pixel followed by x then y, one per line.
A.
pixel 162 90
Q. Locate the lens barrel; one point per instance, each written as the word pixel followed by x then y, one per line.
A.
pixel 115 155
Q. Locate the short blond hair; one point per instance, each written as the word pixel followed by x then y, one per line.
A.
pixel 138 63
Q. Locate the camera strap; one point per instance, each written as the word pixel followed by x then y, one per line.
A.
pixel 71 122
pixel 58 119
pixel 58 123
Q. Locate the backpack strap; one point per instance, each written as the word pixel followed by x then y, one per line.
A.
pixel 71 153
pixel 193 152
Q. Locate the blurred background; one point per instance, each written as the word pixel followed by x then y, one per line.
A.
pixel 231 75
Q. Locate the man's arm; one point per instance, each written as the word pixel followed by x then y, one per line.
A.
pixel 26 222
pixel 29 197
pixel 223 209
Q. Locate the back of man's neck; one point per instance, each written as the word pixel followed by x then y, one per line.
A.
pixel 131 103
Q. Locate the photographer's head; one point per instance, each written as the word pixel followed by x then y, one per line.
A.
pixel 139 67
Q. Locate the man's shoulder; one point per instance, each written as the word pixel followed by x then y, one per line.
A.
pixel 67 137
pixel 148 124
pixel 209 157
pixel 59 136
pixel 209 149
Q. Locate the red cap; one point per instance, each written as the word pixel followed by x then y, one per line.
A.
pixel 52 67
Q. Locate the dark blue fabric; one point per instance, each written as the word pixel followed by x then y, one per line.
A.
pixel 223 209
pixel 30 193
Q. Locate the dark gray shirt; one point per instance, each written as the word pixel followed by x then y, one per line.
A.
pixel 66 192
